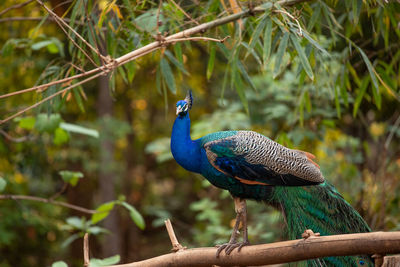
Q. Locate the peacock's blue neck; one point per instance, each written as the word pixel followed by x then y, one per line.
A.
pixel 185 151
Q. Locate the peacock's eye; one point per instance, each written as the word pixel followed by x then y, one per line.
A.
pixel 361 262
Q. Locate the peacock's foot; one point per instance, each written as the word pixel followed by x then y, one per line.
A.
pixel 229 247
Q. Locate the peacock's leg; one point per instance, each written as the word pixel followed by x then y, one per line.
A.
pixel 241 216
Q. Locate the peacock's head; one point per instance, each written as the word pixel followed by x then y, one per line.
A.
pixel 183 106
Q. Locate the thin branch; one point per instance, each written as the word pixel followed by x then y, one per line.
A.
pixel 46 200
pixel 174 241
pixel 60 21
pixel 50 97
pixel 15 6
pixel 14 139
pixel 381 243
pixel 43 87
pixel 183 11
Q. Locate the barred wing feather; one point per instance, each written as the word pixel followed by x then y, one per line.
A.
pixel 255 159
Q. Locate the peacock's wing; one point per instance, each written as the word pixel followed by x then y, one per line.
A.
pixel 253 158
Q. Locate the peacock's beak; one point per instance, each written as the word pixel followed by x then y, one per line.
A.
pixel 178 110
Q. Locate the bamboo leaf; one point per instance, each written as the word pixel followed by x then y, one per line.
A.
pixel 371 70
pixel 257 32
pixel 280 53
pixel 178 52
pixel 267 41
pixel 337 101
pixel 360 95
pixel 314 43
pixel 210 65
pixel 303 59
pixel 74 128
pixel 357 4
pixel 252 52
pixel 167 75
pixel 240 90
pixel 177 64
pixel 245 75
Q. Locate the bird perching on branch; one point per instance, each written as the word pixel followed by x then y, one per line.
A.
pixel 252 166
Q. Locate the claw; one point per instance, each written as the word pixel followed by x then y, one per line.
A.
pixel 229 247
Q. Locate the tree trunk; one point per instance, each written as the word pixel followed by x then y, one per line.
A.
pixel 111 245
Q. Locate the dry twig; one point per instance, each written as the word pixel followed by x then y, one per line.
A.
pixel 50 201
pixel 174 241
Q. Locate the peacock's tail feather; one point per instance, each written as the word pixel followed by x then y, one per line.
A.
pixel 322 209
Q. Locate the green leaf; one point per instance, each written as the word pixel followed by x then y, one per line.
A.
pixel 76 222
pixel 102 212
pixel 59 264
pixel 337 102
pixel 60 136
pixel 257 32
pixel 302 56
pixel 69 240
pixel 73 128
pixel 3 184
pixel 78 98
pixel 376 93
pixel 360 95
pixel 357 4
pixel 178 52
pixel 267 41
pixel 167 75
pixel 280 53
pixel 245 75
pixel 71 177
pixel 104 262
pixel 210 65
pixel 177 63
pixel 240 89
pixel 45 123
pixel 314 43
pixel 135 215
pixel 27 123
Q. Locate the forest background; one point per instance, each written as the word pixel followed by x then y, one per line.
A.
pixel 320 76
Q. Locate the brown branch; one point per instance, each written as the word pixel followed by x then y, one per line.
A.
pixel 50 97
pixel 50 201
pixel 15 6
pixel 381 243
pixel 174 241
pixel 14 139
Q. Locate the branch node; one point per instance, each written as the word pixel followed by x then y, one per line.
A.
pixel 223 40
pixel 309 234
pixel 175 244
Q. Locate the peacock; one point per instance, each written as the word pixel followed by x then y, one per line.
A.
pixel 252 166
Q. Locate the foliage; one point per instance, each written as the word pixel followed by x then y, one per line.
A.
pixel 320 76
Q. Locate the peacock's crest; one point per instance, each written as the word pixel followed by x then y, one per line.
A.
pixel 183 106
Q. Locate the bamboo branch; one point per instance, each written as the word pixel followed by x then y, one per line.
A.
pixel 50 201
pixel 381 243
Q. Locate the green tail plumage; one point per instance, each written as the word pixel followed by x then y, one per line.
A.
pixel 322 209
